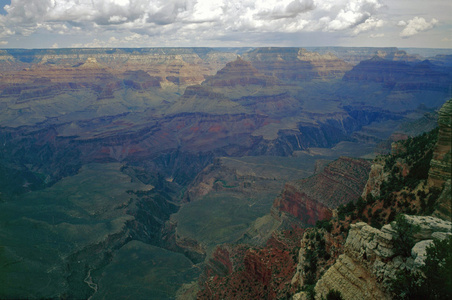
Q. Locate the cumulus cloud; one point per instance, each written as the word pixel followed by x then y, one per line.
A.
pixel 354 13
pixel 415 26
pixel 369 24
pixel 284 10
pixel 188 19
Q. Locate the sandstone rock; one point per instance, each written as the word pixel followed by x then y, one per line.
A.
pixel 376 177
pixel 419 252
pixel 368 243
pixel 441 235
pixel 428 225
pixel 369 263
pixel 351 279
pixel 300 296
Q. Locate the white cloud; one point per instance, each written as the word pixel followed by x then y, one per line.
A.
pixel 415 26
pixel 353 14
pixel 95 22
pixel 369 24
pixel 26 16
pixel 3 43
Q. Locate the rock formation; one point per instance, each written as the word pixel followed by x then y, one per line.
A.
pixel 441 164
pixel 239 72
pixel 296 64
pixel 355 55
pixel 400 75
pixel 370 261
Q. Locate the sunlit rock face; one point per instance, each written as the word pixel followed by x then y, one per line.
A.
pixel 292 64
pixel 370 260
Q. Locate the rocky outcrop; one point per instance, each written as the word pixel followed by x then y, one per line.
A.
pixel 376 177
pixel 351 280
pixel 370 260
pixel 441 163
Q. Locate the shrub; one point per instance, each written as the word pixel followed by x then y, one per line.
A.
pixel 433 280
pixel 334 295
pixel 404 239
pixel 325 224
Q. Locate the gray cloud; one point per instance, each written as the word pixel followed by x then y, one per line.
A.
pixel 291 10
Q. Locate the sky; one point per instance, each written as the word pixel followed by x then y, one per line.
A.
pixel 225 23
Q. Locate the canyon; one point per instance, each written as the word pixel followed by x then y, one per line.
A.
pixel 170 164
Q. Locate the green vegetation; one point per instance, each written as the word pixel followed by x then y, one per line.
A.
pixel 141 271
pixel 404 239
pixel 396 191
pixel 315 250
pixel 49 237
pixel 14 182
pixel 221 217
pixel 325 224
pixel 334 295
pixel 346 210
pixel 416 153
pixel 433 280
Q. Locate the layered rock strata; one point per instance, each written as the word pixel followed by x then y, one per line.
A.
pixel 370 260
pixel 295 64
pixel 440 170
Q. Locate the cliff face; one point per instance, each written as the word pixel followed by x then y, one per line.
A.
pixel 181 65
pixel 239 72
pixel 440 170
pixel 400 75
pixel 294 64
pixel 355 55
pixel 297 204
pixel 312 199
pixel 370 261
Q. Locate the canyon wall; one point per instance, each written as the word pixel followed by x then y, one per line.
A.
pixel 313 198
